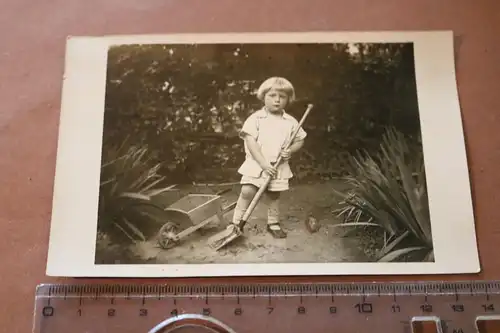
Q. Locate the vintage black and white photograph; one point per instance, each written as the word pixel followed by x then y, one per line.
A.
pixel 339 155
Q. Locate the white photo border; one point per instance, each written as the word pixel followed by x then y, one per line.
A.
pixel 76 189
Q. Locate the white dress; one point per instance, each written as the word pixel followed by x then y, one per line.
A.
pixel 272 133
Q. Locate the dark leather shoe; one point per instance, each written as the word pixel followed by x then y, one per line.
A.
pixel 276 233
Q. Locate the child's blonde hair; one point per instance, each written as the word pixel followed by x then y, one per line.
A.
pixel 278 83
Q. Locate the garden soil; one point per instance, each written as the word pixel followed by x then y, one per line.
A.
pixel 257 246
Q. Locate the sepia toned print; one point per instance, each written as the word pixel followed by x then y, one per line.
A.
pixel 322 156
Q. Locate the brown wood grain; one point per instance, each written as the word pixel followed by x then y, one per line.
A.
pixel 32 37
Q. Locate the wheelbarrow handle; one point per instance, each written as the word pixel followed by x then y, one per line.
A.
pixel 221 192
pixel 264 186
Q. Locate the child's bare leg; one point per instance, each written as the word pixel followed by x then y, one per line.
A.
pixel 246 195
pixel 273 215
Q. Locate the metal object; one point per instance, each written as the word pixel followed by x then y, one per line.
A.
pixel 232 232
pixel 199 323
pixel 395 307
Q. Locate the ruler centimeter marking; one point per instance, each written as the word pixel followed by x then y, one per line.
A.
pixel 450 307
pixel 50 292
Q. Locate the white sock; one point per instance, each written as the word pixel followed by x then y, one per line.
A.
pixel 273 214
pixel 240 209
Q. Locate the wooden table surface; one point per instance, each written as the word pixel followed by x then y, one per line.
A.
pixel 31 66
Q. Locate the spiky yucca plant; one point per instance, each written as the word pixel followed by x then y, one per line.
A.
pixel 390 190
pixel 129 183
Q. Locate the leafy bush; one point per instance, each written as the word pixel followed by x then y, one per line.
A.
pixel 188 101
pixel 130 183
pixel 390 191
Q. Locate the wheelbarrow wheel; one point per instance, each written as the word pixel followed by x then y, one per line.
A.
pixel 166 235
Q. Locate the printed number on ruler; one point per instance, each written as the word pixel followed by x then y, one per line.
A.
pixel 406 307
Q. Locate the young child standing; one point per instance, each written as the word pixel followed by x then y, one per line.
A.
pixel 265 133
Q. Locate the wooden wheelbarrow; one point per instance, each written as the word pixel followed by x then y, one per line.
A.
pixel 189 214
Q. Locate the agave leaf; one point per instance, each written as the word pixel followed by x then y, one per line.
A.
pixel 357 215
pixel 110 162
pixel 400 205
pixel 389 187
pixel 380 216
pixel 114 188
pixel 389 247
pixel 135 196
pixel 380 207
pixel 147 187
pixel 429 257
pixel 123 231
pixel 423 200
pixel 394 255
pixel 343 211
pixel 154 192
pixel 141 178
pixel 398 208
pixel 128 177
pixel 413 189
pixel 135 230
pixel 388 239
pixel 106 182
pixel 410 186
pixel 357 224
pixel 137 157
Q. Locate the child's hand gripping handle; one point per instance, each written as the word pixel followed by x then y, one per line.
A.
pixel 261 190
pixel 294 134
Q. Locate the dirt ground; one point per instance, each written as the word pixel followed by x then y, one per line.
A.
pixel 257 246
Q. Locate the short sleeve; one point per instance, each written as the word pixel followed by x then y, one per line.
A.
pixel 249 127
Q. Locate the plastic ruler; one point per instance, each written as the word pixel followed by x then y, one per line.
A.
pixel 381 307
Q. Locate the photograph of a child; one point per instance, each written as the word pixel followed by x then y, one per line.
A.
pixel 266 134
pixel 268 151
pixel 223 119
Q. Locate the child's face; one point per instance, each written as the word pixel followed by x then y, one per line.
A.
pixel 275 100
